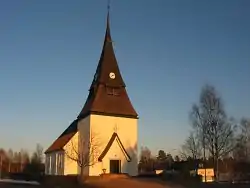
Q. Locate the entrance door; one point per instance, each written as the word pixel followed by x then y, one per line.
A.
pixel 115 166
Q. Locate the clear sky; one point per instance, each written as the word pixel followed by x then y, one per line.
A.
pixel 167 50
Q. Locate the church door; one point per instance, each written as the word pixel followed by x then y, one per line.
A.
pixel 115 166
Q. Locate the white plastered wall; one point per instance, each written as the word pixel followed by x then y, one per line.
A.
pixel 84 131
pixel 126 128
pixel 70 166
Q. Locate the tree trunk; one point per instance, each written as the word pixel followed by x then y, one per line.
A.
pixel 204 155
pixel 9 167
pixel 82 178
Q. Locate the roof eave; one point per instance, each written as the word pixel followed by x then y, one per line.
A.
pixel 115 114
pixel 52 151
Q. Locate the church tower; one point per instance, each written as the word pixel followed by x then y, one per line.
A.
pixel 109 115
pixel 107 123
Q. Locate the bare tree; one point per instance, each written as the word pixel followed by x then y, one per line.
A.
pixel 10 159
pixel 15 157
pixel 245 136
pixel 146 153
pixel 2 159
pixel 216 130
pixel 169 160
pixel 198 123
pixel 191 147
pixel 39 153
pixel 25 156
pixel 37 156
pixel 146 162
pixel 84 151
pixel 241 152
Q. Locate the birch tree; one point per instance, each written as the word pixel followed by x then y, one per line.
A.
pixel 215 128
pixel 192 147
pixel 146 162
pixel 242 150
pixel 245 136
pixel 37 156
pixel 84 151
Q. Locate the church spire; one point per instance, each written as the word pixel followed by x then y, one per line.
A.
pixel 108 35
pixel 107 94
pixel 107 71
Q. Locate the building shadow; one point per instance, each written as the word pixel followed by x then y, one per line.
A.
pixel 131 165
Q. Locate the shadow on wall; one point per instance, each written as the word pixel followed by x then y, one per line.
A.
pixel 131 167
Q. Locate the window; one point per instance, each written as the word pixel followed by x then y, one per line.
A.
pixel 60 164
pixel 50 165
pixel 56 163
pixel 61 160
pixel 116 91
pixel 53 160
pixel 113 91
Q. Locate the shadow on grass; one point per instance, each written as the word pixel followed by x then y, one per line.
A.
pixel 18 185
pixel 170 180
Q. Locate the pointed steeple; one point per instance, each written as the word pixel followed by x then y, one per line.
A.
pixel 108 35
pixel 107 93
pixel 107 71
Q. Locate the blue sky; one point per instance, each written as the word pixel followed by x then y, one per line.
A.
pixel 167 50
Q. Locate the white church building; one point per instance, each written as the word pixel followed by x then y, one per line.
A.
pixel 107 116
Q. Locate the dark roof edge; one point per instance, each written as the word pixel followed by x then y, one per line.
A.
pixel 111 141
pixel 107 114
pixel 60 149
pixel 71 128
pixel 57 150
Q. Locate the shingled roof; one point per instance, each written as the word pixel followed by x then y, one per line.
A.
pixel 64 138
pixel 107 95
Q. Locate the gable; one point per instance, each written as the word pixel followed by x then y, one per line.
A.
pixel 64 138
pixel 113 138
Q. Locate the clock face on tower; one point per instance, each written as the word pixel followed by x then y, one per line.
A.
pixel 112 75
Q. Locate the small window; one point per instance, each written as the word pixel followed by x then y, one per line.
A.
pixel 113 91
pixel 109 90
pixel 116 91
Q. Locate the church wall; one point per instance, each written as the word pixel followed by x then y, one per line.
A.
pixel 115 153
pixel 104 127
pixel 50 163
pixel 60 163
pixel 84 131
pixel 53 165
pixel 70 166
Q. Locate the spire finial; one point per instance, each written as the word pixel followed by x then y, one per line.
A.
pixel 108 36
pixel 108 5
